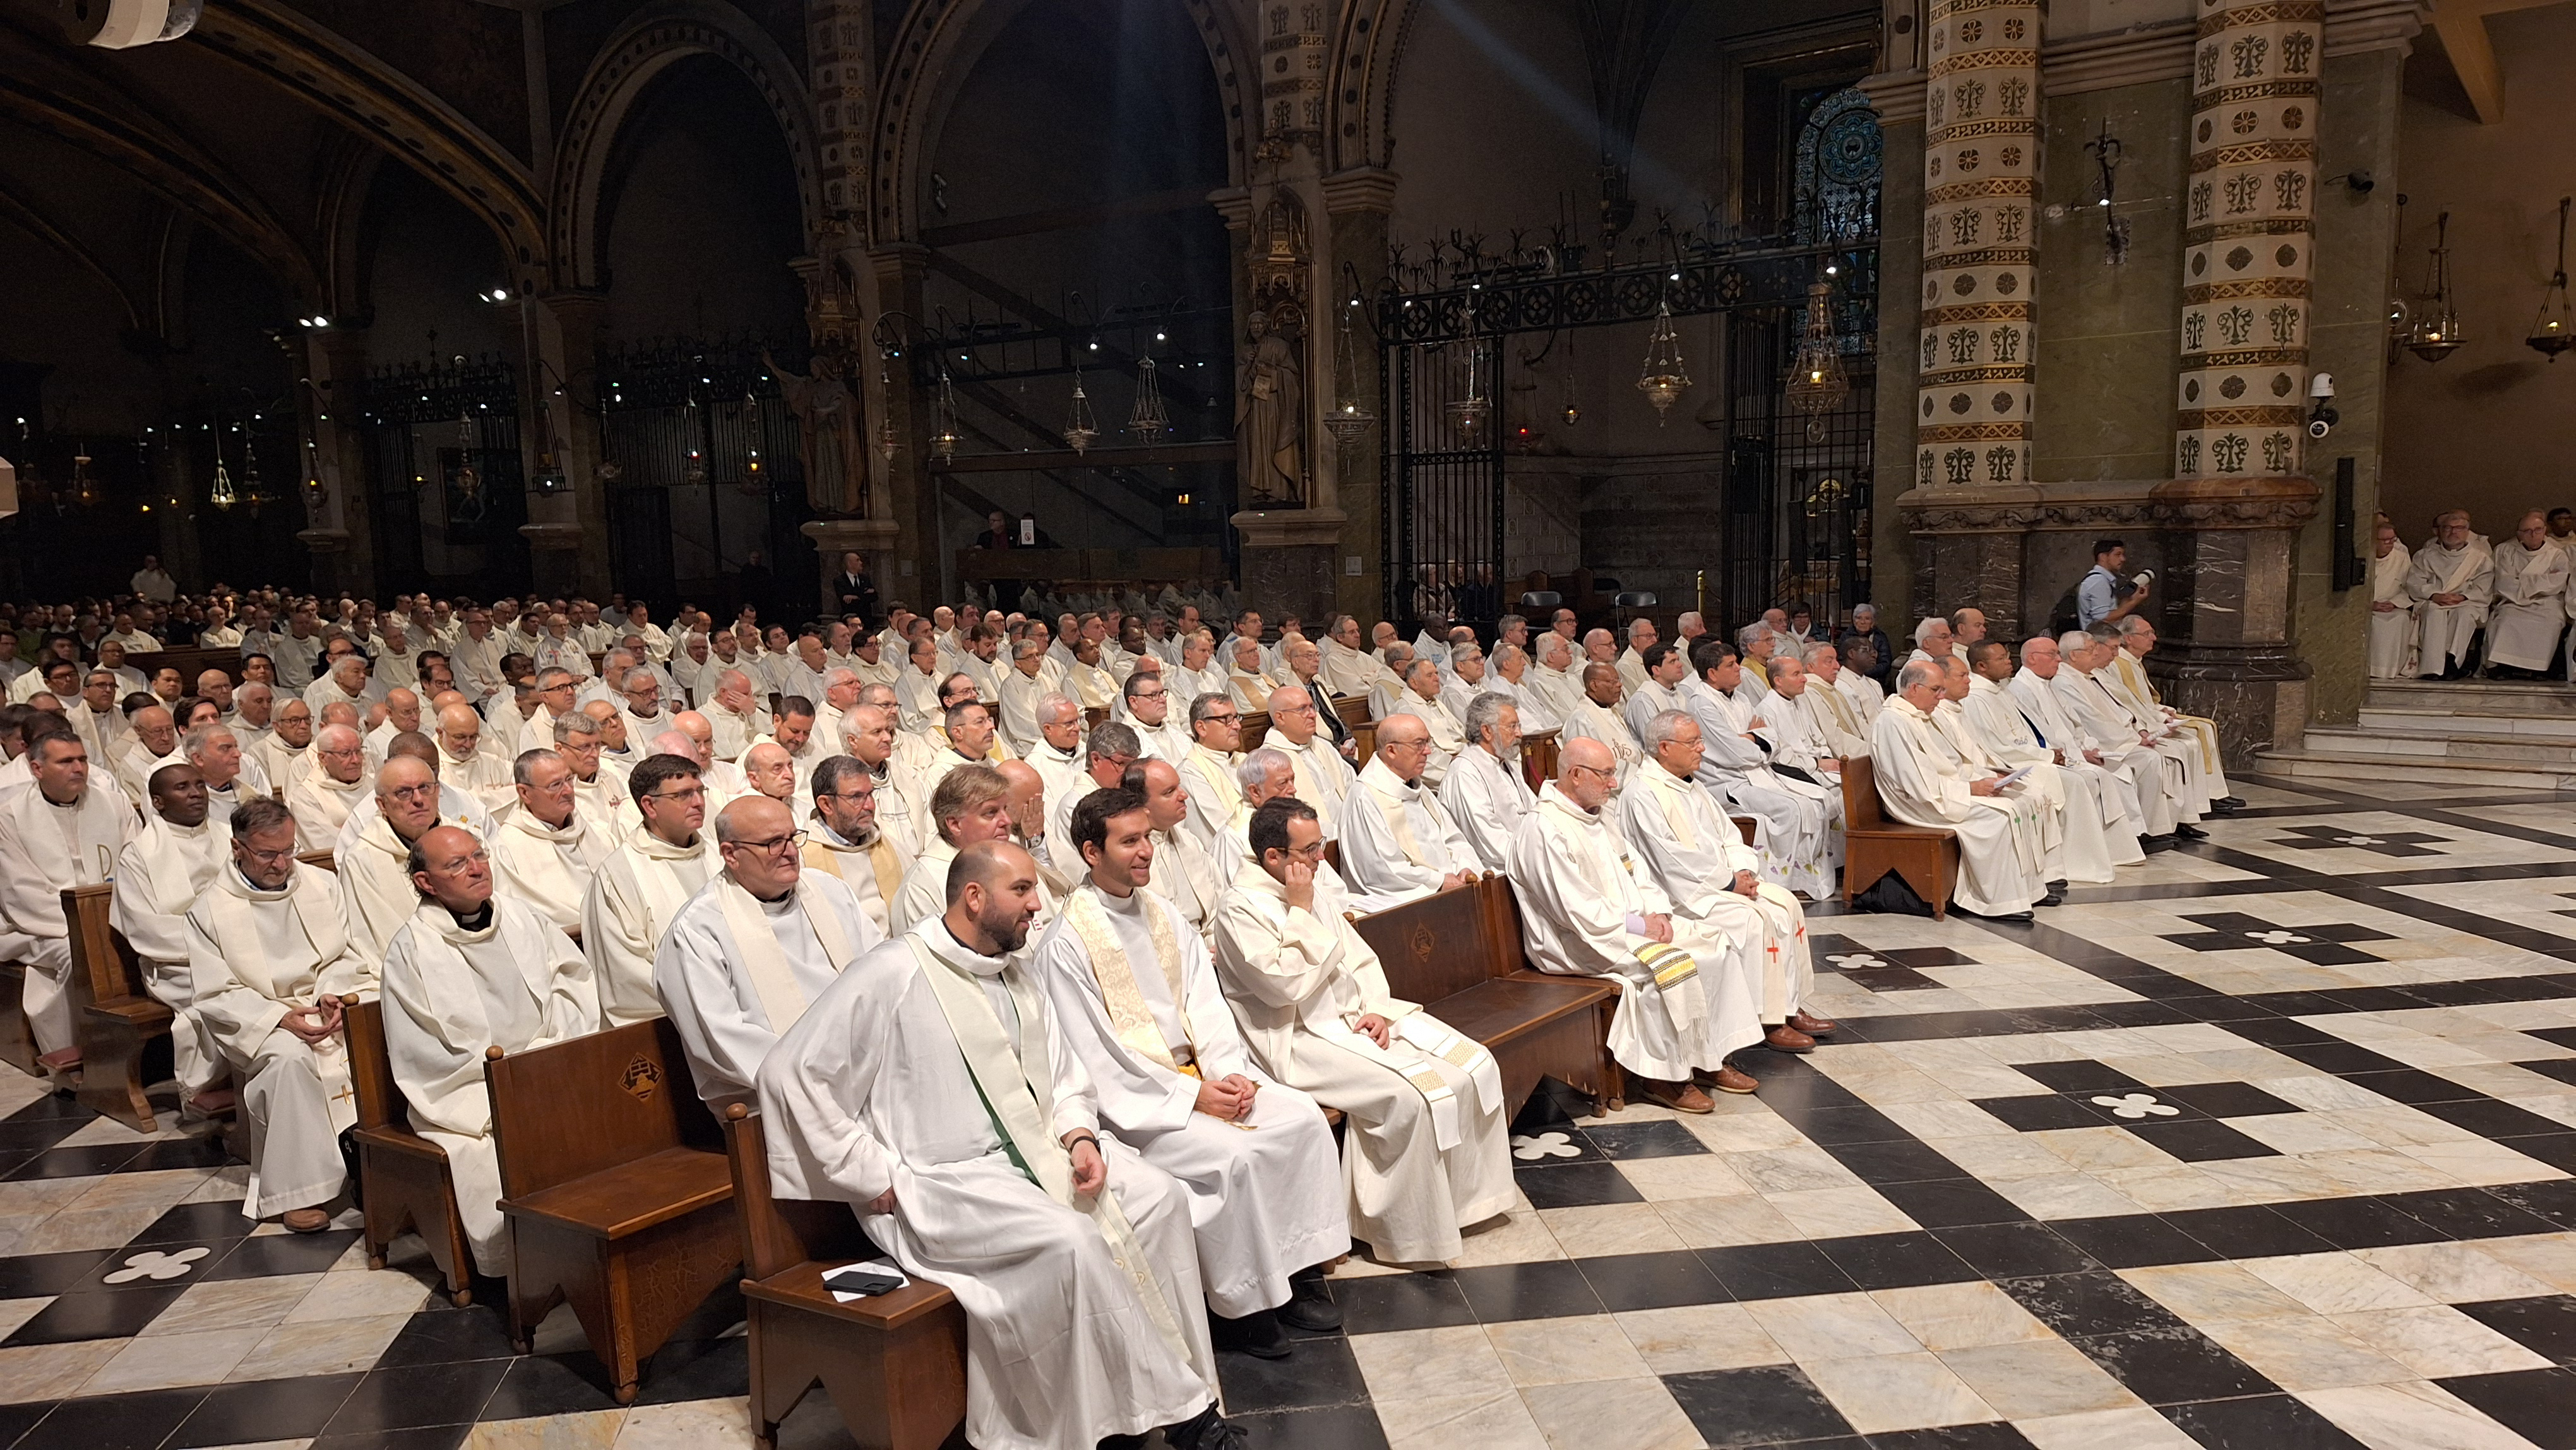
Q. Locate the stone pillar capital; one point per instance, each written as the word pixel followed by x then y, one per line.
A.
pixel 1361 189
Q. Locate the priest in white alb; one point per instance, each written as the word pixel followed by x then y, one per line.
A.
pixel 1181 872
pixel 65 828
pixel 2077 736
pixel 1137 1000
pixel 545 852
pixel 639 890
pixel 845 840
pixel 2001 871
pixel 2530 609
pixel 1798 850
pixel 2452 581
pixel 1398 842
pixel 2099 833
pixel 2392 609
pixel 376 894
pixel 470 972
pixel 159 875
pixel 1425 1151
pixel 1588 910
pixel 1320 776
pixel 332 787
pixel 929 1088
pixel 1486 796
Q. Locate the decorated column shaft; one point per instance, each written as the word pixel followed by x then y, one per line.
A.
pixel 2249 236
pixel 1980 238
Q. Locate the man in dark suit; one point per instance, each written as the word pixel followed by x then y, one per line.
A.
pixel 856 591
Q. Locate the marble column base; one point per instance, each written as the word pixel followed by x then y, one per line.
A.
pixel 1289 559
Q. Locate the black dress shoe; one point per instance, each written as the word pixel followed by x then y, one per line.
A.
pixel 1310 1305
pixel 2231 802
pixel 2053 898
pixel 1257 1334
pixel 2153 844
pixel 1206 1430
pixel 2190 833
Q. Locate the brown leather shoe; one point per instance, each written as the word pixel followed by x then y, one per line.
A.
pixel 1785 1038
pixel 1812 1026
pixel 306 1220
pixel 1728 1080
pixel 1681 1097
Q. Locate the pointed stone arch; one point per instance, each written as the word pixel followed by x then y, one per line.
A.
pixel 1368 51
pixel 652 40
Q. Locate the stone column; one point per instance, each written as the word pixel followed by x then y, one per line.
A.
pixel 2240 488
pixel 1973 394
pixel 1357 205
pixel 338 530
pixel 911 492
pixel 567 532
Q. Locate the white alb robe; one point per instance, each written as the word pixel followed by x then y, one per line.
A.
pixel 45 850
pixel 1137 1000
pixel 634 896
pixel 159 875
pixel 1487 799
pixel 2392 632
pixel 1691 850
pixel 2443 631
pixel 1799 850
pixel 2098 834
pixel 450 995
pixel 546 868
pixel 1921 783
pixel 872 870
pixel 2130 770
pixel 1323 778
pixel 1398 842
pixel 2530 609
pixel 1448 737
pixel 734 972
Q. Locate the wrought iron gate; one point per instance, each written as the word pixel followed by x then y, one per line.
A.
pixel 442 448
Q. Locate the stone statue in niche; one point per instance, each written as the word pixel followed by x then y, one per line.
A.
pixel 1270 377
pixel 829 413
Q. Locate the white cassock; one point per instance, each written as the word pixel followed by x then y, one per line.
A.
pixel 872 870
pixel 635 895
pixel 1486 799
pixel 1797 850
pixel 1137 1000
pixel 321 806
pixel 604 801
pixel 1691 851
pixel 1644 703
pixel 546 868
pixel 280 763
pixel 1185 877
pixel 1387 695
pixel 1589 721
pixel 1250 693
pixel 1208 778
pixel 1803 736
pixel 1559 692
pixel 1019 701
pixel 1849 727
pixel 253 956
pixel 45 850
pixel 917 699
pixel 1397 842
pixel 1863 694
pixel 2392 633
pixel 1323 779
pixel 223 800
pixel 2132 772
pixel 1447 736
pixel 1921 783
pixel 2097 833
pixel 450 995
pixel 2443 631
pixel 2530 609
pixel 883 1085
pixel 2041 803
pixel 160 874
pixel 1347 671
pixel 1425 1149
pixel 735 971
pixel 2089 699
pixel 135 763
pixel 1536 712
pixel 1632 671
pixel 2190 739
pixel 377 898
pixel 925 892
pixel 486 778
pixel 1059 770
pixel 1683 1006
pixel 731 734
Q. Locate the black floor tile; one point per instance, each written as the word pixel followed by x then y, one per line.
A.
pixel 2079 1077
pixel 1575 1185
pixel 2561 1068
pixel 1627 1282
pixel 2041 1114
pixel 697 1369
pixel 2537 1404
pixel 114 1422
pixel 33 1276
pixel 1337 1427
pixel 1828 1127
pixel 17 1420
pixel 2015 1250
pixel 2199 1140
pixel 2261 1422
pixel 1319 1372
pixel 244 1414
pixel 36 1134
pixel 1993 1435
pixel 1952 1203
pixel 2226 1099
pixel 1544 1290
pixel 2545 1325
pixel 82 1162
pixel 2280 1032
pixel 1777 1271
pixel 1906 1162
pixel 284 1254
pixel 169 1153
pixel 2554 1200
pixel 2082 1305
pixel 120 1314
pixel 1664 1139
pixel 2246 1232
pixel 450 1336
pixel 1897 1260
pixel 432 1437
pixel 2335 1056
pixel 198 1223
pixel 2412 1085
pixel 551 1384
pixel 2469 1213
pixel 418 1395
pixel 2558 1150
pixel 1379 1303
pixel 2357 1223
pixel 2170 1366
pixel 1768 1405
pixel 2491 1119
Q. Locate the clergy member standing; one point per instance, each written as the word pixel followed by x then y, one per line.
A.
pixel 469 973
pixel 1137 1000
pixel 1425 1152
pixel 930 1089
pixel 754 948
pixel 643 884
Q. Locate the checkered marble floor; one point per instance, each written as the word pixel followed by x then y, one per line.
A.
pixel 2266 1145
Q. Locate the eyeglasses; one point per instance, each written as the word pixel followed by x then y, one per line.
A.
pixel 770 847
pixel 1593 770
pixel 268 858
pixel 414 793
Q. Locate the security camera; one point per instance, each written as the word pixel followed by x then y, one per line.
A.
pixel 122 24
pixel 2322 417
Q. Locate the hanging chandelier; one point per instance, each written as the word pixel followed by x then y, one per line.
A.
pixel 2436 334
pixel 84 487
pixel 1663 378
pixel 1818 382
pixel 889 442
pixel 943 419
pixel 1571 411
pixel 1079 426
pixel 220 492
pixel 469 479
pixel 250 474
pixel 2401 315
pixel 1148 420
pixel 1348 420
pixel 2554 331
pixel 1467 414
pixel 752 484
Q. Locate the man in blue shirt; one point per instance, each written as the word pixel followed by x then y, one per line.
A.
pixel 2098 598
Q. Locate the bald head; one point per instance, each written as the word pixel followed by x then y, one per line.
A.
pixel 459 731
pixel 771 771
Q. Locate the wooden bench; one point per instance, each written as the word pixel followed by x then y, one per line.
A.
pixel 894 1364
pixel 116 1017
pixel 1459 954
pixel 17 1037
pixel 1539 749
pixel 614 1183
pixel 1256 728
pixel 1924 857
pixel 403 1182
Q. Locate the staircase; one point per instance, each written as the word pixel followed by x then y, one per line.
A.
pixel 2477 733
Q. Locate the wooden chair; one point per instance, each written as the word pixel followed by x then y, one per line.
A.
pixel 1459 954
pixel 1924 857
pixel 1539 749
pixel 403 1181
pixel 17 1037
pixel 1256 728
pixel 895 1364
pixel 117 1019
pixel 615 1188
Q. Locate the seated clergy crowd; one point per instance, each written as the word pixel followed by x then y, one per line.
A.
pixel 2460 604
pixel 1015 948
